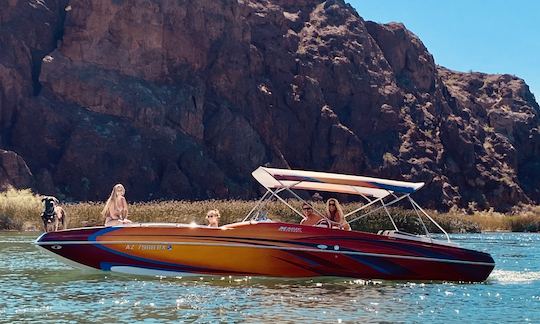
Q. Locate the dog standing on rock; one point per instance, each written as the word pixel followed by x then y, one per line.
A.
pixel 53 215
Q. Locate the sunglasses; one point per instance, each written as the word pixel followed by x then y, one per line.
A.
pixel 331 204
pixel 307 208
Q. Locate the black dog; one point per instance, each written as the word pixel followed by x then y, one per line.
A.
pixel 53 214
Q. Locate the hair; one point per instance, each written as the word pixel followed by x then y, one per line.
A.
pixel 214 212
pixel 112 197
pixel 339 212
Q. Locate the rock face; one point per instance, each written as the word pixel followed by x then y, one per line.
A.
pixel 13 171
pixel 183 99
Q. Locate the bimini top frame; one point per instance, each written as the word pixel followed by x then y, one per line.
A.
pixel 373 190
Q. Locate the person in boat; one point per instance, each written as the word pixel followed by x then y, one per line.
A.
pixel 334 212
pixel 212 218
pixel 311 217
pixel 115 211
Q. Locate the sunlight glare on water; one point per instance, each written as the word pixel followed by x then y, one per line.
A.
pixel 36 287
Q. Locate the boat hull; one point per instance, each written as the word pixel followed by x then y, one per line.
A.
pixel 264 249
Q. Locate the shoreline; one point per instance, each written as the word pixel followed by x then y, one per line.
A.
pixel 21 215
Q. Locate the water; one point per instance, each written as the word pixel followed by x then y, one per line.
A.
pixel 35 287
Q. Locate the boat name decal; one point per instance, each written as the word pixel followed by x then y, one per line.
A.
pixel 290 229
pixel 149 247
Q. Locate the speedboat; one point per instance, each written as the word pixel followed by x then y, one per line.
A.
pixel 260 247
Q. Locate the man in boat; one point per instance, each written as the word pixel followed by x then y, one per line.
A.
pixel 311 218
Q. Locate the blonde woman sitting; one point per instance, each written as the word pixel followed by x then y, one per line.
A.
pixel 212 218
pixel 335 215
pixel 115 211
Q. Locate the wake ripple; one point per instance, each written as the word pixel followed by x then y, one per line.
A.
pixel 514 277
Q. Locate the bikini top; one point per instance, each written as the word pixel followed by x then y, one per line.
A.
pixel 118 210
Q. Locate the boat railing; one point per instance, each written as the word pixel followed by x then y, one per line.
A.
pixel 378 202
pixel 413 237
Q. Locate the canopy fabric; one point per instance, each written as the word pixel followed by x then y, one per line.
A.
pixel 272 178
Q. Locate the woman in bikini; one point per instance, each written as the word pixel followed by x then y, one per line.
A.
pixel 115 211
pixel 335 215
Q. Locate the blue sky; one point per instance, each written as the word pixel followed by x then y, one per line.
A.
pixel 495 36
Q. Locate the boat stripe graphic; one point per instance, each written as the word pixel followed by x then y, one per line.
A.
pixel 242 245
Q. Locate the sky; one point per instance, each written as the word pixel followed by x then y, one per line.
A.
pixel 495 36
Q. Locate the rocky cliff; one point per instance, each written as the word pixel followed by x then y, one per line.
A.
pixel 183 99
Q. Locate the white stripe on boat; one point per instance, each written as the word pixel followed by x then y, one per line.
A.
pixel 140 271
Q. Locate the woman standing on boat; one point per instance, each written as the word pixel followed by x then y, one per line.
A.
pixel 115 211
pixel 335 215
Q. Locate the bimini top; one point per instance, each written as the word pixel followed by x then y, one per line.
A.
pixel 272 178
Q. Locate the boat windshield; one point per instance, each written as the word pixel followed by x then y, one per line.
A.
pixel 376 194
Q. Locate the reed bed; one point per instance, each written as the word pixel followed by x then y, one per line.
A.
pixel 21 209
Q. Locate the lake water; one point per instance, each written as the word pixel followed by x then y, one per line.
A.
pixel 36 287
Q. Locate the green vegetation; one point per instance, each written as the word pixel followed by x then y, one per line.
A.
pixel 21 209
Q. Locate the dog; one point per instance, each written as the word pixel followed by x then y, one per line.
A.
pixel 53 215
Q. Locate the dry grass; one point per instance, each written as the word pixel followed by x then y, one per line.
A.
pixel 527 221
pixel 522 219
pixel 82 214
pixel 21 209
